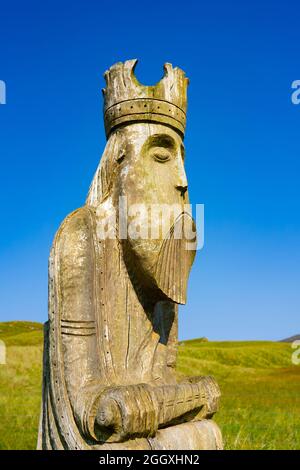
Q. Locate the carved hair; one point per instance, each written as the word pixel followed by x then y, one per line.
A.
pixel 106 171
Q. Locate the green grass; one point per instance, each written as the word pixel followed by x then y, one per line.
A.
pixel 260 407
pixel 20 384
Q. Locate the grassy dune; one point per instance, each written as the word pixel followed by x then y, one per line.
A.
pixel 260 406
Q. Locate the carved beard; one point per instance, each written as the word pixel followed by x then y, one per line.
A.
pixel 175 261
pixel 167 278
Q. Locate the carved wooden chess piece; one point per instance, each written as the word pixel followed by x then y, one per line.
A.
pixel 111 340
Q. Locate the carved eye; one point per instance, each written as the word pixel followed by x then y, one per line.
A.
pixel 161 155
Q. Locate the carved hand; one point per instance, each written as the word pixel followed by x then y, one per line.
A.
pixel 127 411
pixel 138 410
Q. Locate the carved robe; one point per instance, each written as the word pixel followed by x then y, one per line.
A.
pixel 93 341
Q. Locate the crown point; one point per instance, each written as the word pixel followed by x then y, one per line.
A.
pixel 131 63
pixel 106 76
pixel 129 68
pixel 167 68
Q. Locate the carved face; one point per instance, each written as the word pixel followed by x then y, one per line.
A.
pixel 153 180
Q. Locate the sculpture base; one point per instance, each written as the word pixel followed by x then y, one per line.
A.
pixel 197 435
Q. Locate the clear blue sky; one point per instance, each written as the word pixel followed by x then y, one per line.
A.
pixel 242 145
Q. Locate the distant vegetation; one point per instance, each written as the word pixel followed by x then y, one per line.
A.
pixel 291 339
pixel 260 406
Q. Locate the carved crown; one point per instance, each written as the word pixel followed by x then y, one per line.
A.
pixel 127 101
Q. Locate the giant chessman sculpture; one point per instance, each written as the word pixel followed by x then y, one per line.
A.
pixel 110 348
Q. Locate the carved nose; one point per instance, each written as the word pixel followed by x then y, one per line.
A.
pixel 182 189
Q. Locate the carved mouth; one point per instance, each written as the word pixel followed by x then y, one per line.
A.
pixel 175 260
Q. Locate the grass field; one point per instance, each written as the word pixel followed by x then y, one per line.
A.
pixel 260 406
